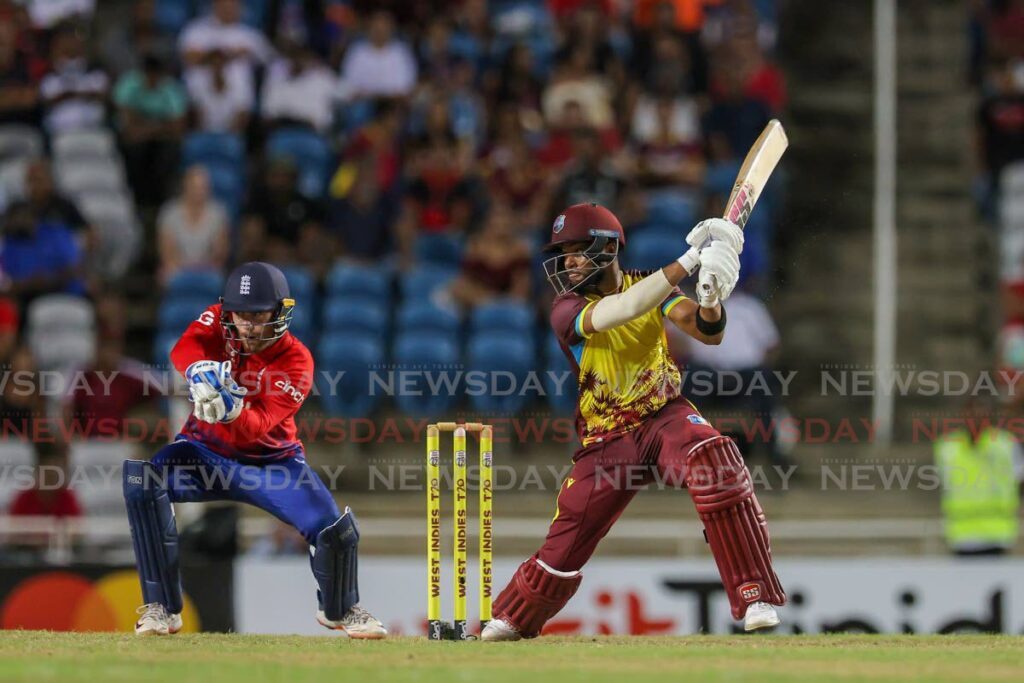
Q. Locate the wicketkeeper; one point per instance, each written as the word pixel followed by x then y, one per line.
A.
pixel 247 376
pixel 632 421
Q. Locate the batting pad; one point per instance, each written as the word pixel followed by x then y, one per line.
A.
pixel 336 566
pixel 535 595
pixel 154 535
pixel 734 523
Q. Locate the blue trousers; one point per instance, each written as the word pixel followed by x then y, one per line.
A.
pixel 288 489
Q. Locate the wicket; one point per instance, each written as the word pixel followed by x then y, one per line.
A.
pixel 435 626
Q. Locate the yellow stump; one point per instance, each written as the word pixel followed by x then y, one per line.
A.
pixel 486 518
pixel 433 534
pixel 461 546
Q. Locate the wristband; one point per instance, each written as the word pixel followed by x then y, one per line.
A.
pixel 710 328
pixel 690 260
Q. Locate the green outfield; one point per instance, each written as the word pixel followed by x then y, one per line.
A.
pixel 42 656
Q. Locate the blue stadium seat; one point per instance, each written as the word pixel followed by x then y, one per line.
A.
pixel 176 314
pixel 503 315
pixel 363 281
pixel 352 314
pixel 419 358
pixel 422 316
pixel 310 153
pixel 162 346
pixel 301 285
pixel 720 177
pixel 420 282
pixel 344 363
pixel 506 359
pixel 196 283
pixel 671 209
pixel 302 322
pixel 172 15
pixel 442 250
pixel 649 251
pixel 227 184
pixel 215 148
pixel 559 380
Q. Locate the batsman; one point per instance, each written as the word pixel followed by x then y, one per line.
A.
pixel 633 422
pixel 247 377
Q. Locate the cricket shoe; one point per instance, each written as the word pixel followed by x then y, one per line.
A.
pixel 357 623
pixel 760 615
pixel 155 621
pixel 498 630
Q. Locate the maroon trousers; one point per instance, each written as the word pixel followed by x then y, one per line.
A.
pixel 675 447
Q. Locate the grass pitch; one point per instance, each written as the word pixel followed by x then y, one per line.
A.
pixel 35 656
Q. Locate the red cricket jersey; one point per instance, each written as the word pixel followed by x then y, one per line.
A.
pixel 278 379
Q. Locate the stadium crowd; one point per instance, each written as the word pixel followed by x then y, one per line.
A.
pixel 401 160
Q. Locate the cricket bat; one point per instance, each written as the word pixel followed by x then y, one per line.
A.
pixel 757 167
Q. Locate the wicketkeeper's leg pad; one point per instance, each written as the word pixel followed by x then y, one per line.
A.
pixel 734 523
pixel 336 566
pixel 535 594
pixel 154 534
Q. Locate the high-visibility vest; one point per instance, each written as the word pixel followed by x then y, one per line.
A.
pixel 980 496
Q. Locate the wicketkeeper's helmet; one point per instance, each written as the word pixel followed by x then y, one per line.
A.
pixel 252 288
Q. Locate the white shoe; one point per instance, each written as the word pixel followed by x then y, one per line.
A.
pixel 760 615
pixel 155 621
pixel 498 630
pixel 357 623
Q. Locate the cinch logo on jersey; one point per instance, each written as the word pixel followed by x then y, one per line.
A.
pixel 289 389
pixel 750 592
pixel 243 286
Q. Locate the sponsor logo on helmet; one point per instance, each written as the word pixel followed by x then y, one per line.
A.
pixel 243 286
pixel 288 388
pixel 559 224
pixel 696 419
pixel 750 592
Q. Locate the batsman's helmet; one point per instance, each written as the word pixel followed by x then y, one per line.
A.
pixel 594 227
pixel 252 288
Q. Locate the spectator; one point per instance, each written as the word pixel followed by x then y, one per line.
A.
pixel 304 22
pixel 221 94
pixel 377 143
pixel 577 81
pixel 982 467
pixel 587 31
pixel 1001 118
pixel 20 75
pixel 735 119
pixel 74 94
pixel 151 111
pixel 749 351
pixel 10 320
pixel 590 178
pixel 1006 29
pixel 21 402
pixel 47 14
pixel 664 52
pixel 107 392
pixel 223 30
pixel 514 177
pixel 282 225
pixel 381 65
pixel 39 258
pixel 669 148
pixel 496 263
pixel 51 207
pixel 299 90
pixel 361 221
pixel 518 84
pixel 442 194
pixel 124 42
pixel 49 495
pixel 763 80
pixel 193 229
